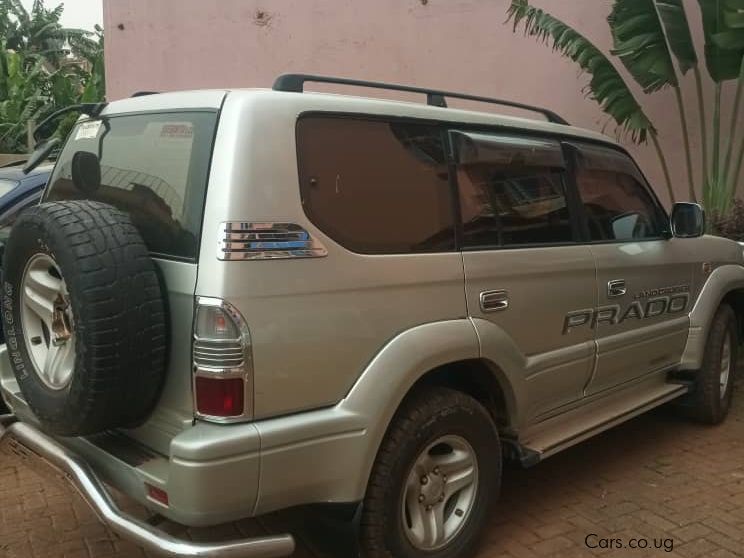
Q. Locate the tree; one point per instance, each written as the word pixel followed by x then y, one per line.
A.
pixel 23 97
pixel 43 67
pixel 649 36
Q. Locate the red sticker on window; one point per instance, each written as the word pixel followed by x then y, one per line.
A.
pixel 176 131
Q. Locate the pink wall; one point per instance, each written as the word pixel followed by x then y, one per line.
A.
pixel 460 45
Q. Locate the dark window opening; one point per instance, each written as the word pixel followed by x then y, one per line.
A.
pixel 376 187
pixel 617 203
pixel 154 167
pixel 512 191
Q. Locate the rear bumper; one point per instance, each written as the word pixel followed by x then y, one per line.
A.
pixel 23 439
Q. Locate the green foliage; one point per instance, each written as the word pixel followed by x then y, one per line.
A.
pixel 43 67
pixel 641 45
pixel 606 85
pixel 723 24
pixel 730 225
pixel 643 40
pixel 679 36
pixel 22 99
pixel 648 36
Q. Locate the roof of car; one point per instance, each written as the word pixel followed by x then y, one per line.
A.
pixel 330 102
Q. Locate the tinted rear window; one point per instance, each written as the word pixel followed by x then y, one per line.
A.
pixel 376 187
pixel 152 166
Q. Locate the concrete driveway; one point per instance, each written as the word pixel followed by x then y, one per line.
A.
pixel 657 481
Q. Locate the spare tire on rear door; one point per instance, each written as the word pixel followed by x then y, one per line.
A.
pixel 84 317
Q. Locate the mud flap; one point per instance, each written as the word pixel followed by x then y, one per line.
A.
pixel 331 530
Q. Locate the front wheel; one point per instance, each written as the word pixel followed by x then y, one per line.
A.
pixel 437 471
pixel 715 381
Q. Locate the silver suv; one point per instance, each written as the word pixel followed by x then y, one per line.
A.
pixel 235 302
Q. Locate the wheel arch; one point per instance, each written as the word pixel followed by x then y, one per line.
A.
pixel 724 285
pixel 480 379
pixel 735 299
pixel 443 353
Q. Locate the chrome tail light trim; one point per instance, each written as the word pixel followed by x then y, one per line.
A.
pixel 236 362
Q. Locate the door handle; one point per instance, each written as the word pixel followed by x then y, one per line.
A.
pixel 616 288
pixel 492 301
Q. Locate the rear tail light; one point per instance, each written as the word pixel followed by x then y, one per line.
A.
pixel 220 397
pixel 222 360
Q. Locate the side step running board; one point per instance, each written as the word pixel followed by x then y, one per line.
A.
pixel 561 432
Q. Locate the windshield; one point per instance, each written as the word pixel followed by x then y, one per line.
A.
pixel 154 167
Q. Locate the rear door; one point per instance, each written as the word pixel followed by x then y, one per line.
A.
pixel 154 167
pixel 525 270
pixel 643 275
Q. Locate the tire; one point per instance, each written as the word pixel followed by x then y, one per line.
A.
pixel 711 399
pixel 97 360
pixel 429 416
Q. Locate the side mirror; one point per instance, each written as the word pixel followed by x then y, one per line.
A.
pixel 688 220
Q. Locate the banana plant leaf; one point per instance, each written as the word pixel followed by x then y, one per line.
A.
pixel 732 38
pixel 677 27
pixel 641 44
pixel 606 85
pixel 723 23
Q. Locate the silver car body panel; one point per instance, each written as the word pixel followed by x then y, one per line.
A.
pixel 549 368
pixel 722 281
pixel 634 347
pixel 175 409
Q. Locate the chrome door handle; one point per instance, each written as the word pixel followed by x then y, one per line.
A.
pixel 492 301
pixel 616 288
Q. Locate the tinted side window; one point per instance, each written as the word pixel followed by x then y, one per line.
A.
pixel 617 203
pixel 512 191
pixel 376 187
pixel 152 166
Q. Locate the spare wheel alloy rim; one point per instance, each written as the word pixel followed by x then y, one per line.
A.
pixel 47 322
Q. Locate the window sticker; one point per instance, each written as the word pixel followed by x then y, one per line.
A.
pixel 88 130
pixel 177 131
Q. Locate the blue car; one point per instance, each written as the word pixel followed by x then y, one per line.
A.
pixel 19 191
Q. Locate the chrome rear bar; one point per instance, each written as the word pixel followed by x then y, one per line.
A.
pixel 23 439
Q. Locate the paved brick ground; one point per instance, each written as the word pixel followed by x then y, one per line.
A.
pixel 657 477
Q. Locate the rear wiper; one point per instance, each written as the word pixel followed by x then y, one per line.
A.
pixel 45 148
pixel 89 109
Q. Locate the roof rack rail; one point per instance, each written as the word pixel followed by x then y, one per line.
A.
pixel 144 93
pixel 295 83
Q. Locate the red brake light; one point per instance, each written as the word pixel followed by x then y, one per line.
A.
pixel 219 397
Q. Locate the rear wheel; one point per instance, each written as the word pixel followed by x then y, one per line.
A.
pixel 436 474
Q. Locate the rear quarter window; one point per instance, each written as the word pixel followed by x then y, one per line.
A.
pixel 152 166
pixel 376 187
